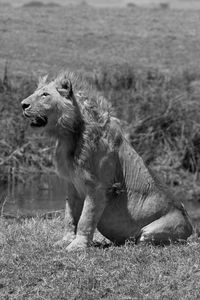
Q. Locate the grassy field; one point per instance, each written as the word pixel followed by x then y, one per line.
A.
pixel 39 40
pixel 31 268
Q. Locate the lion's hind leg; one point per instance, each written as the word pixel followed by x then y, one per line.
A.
pixel 172 227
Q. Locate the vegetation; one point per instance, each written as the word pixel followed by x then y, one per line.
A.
pixel 164 5
pixel 31 268
pixel 160 115
pixel 19 154
pixel 39 4
pixel 34 4
pixel 146 65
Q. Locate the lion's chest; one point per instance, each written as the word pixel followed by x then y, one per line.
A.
pixel 72 174
pixel 63 163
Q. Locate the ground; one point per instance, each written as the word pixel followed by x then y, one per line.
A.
pixel 31 268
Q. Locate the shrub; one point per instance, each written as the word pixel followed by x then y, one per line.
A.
pixel 165 5
pixel 160 113
pixel 131 5
pixel 53 4
pixel 34 4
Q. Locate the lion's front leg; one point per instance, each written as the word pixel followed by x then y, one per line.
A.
pixel 73 209
pixel 93 208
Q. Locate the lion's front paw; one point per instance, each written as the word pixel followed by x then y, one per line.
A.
pixel 77 244
pixel 66 240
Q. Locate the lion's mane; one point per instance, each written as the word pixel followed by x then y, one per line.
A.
pixel 92 121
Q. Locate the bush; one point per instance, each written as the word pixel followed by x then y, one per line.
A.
pixel 131 5
pixel 160 113
pixel 165 5
pixel 20 152
pixel 53 4
pixel 34 4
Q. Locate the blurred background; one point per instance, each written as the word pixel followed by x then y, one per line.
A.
pixel 144 56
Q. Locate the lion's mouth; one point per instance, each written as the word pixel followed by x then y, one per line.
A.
pixel 39 121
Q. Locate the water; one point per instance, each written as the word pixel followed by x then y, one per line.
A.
pixel 39 195
pixel 42 194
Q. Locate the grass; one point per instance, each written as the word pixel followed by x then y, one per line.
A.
pixel 89 36
pixel 31 268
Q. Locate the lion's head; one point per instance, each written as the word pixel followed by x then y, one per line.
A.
pixel 69 109
pixel 53 104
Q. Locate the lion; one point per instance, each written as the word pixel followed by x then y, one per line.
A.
pixel 108 185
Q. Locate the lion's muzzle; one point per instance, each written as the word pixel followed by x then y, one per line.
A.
pixel 36 120
pixel 25 105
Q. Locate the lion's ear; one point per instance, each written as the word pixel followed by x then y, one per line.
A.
pixel 42 81
pixel 65 88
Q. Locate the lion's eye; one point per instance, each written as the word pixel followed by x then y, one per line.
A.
pixel 45 94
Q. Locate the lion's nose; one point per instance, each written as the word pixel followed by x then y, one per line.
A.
pixel 25 106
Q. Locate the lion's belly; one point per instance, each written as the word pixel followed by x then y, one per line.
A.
pixel 123 218
pixel 117 224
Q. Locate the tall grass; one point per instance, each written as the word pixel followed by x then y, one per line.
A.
pixel 159 111
pixel 20 150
